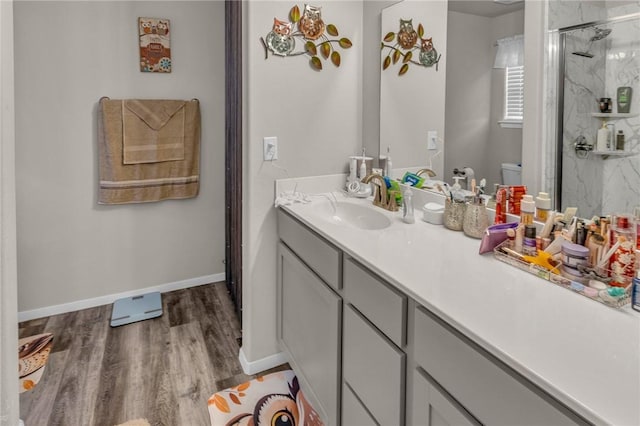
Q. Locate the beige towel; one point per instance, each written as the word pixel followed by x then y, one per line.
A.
pixel 153 131
pixel 145 182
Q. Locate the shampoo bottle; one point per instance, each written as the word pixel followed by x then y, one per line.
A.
pixel 603 141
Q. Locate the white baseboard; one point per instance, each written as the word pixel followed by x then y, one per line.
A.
pixel 254 367
pixel 110 298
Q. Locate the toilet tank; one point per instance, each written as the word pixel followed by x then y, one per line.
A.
pixel 511 174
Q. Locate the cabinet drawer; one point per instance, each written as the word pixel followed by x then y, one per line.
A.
pixel 489 390
pixel 374 368
pixel 317 253
pixel 383 305
pixel 353 412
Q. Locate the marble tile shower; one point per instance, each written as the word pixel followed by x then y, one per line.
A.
pixel 596 184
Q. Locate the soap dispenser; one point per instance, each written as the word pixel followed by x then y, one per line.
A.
pixel 476 219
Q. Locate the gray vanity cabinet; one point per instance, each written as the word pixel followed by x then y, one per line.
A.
pixel 433 406
pixel 310 321
pixel 475 384
pixel 366 354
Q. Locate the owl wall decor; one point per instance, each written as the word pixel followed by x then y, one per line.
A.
pixel 407 41
pixel 313 34
pixel 407 36
pixel 155 44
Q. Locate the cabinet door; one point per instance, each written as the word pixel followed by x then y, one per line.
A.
pixel 353 412
pixel 374 369
pixel 309 332
pixel 432 406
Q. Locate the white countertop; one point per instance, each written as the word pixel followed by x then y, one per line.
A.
pixel 583 353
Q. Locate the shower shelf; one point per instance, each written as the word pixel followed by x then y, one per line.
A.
pixel 606 154
pixel 613 115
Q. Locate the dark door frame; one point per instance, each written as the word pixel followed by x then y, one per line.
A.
pixel 233 151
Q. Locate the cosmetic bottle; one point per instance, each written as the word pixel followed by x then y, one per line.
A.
pixel 543 206
pixel 491 202
pixel 622 262
pixel 603 141
pixel 527 209
pixel 636 220
pixel 529 241
pixel 501 206
pixel 620 140
pixel 635 292
pixel 408 215
pixel 624 99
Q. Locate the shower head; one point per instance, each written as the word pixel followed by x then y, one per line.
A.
pixel 600 33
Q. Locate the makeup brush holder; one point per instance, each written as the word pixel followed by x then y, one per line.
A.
pixel 476 220
pixel 454 214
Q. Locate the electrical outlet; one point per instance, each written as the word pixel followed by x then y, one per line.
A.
pixel 270 145
pixel 432 140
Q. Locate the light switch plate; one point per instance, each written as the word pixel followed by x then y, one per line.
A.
pixel 270 145
pixel 432 140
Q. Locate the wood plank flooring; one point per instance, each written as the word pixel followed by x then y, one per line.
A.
pixel 163 369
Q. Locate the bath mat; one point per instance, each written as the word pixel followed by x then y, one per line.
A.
pixel 268 400
pixel 33 353
pixel 136 308
pixel 137 422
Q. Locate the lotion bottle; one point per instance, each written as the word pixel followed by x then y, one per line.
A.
pixel 408 215
pixel 527 209
pixel 603 141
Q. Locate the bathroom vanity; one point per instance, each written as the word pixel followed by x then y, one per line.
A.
pixel 409 325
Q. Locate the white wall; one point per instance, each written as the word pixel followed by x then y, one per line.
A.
pixel 317 117
pixel 8 290
pixel 67 56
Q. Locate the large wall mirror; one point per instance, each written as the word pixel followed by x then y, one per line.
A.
pixel 463 100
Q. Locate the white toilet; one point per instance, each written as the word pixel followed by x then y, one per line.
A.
pixel 511 174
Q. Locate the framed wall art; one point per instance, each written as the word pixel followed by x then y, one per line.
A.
pixel 155 44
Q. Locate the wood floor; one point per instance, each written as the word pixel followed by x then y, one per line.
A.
pixel 163 369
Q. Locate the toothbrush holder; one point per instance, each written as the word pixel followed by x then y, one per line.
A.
pixel 454 214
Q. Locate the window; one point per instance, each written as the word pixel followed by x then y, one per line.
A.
pixel 513 97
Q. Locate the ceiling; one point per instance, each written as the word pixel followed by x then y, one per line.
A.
pixel 488 8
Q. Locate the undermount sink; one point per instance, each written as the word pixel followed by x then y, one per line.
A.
pixel 363 217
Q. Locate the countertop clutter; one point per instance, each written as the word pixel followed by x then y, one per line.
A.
pixel 583 353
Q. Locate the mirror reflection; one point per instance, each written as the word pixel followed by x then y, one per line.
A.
pixel 475 135
pixel 599 117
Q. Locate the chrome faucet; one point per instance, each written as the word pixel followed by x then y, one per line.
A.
pixel 381 197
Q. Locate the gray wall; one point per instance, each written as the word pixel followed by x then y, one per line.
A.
pixel 474 100
pixel 67 56
pixel 317 117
